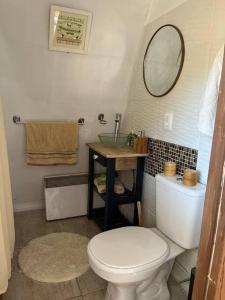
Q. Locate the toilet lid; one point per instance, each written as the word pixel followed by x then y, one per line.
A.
pixel 128 247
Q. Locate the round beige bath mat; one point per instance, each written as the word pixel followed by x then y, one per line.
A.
pixel 56 257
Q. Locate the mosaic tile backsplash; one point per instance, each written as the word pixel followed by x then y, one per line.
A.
pixel 161 151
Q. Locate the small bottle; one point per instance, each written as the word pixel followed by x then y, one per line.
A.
pixel 142 143
pixel 131 138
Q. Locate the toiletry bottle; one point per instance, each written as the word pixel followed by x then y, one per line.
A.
pixel 131 138
pixel 142 143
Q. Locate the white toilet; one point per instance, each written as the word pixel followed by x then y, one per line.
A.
pixel 137 261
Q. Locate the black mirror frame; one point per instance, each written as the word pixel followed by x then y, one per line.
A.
pixel 181 65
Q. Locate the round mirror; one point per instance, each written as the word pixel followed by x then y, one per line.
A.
pixel 163 61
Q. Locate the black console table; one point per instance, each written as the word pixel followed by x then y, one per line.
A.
pixel 114 160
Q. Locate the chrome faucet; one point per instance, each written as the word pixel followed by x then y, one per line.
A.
pixel 117 125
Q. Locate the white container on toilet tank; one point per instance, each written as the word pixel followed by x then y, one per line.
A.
pixel 179 210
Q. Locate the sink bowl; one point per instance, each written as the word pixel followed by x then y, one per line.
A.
pixel 109 140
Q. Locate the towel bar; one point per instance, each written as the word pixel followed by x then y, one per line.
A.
pixel 17 120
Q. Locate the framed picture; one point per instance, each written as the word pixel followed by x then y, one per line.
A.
pixel 69 29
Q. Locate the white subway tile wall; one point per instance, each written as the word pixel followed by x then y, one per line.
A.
pixel 202 25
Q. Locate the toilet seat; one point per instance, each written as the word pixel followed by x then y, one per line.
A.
pixel 126 253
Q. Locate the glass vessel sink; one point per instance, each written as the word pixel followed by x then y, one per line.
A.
pixel 109 140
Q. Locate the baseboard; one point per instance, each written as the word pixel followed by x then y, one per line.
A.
pixel 25 206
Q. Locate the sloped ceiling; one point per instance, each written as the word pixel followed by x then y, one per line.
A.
pixel 161 7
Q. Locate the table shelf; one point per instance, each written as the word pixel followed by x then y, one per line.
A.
pixel 118 219
pixel 118 199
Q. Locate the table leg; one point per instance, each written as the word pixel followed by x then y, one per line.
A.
pixel 110 180
pixel 138 187
pixel 90 183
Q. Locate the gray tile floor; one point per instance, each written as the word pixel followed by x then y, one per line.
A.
pixel 176 291
pixel 32 224
pixel 87 287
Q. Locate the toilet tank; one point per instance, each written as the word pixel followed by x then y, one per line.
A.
pixel 179 210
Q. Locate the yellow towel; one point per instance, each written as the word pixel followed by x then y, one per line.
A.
pixel 52 143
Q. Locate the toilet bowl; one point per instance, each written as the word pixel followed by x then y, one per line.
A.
pixel 135 261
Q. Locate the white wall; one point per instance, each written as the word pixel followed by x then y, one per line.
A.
pixel 202 25
pixel 40 84
pixel 161 7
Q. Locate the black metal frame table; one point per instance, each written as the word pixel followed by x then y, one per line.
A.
pixel 111 199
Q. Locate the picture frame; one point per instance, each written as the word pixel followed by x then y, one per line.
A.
pixel 69 29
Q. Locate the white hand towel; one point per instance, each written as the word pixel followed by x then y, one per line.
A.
pixel 209 104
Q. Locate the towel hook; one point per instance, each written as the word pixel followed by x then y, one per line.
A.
pixel 80 121
pixel 17 120
pixel 101 118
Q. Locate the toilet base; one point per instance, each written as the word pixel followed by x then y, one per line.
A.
pixel 154 288
pixel 121 292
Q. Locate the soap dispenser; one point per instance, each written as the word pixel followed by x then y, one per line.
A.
pixel 141 143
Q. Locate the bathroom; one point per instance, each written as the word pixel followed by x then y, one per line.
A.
pixel 40 83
